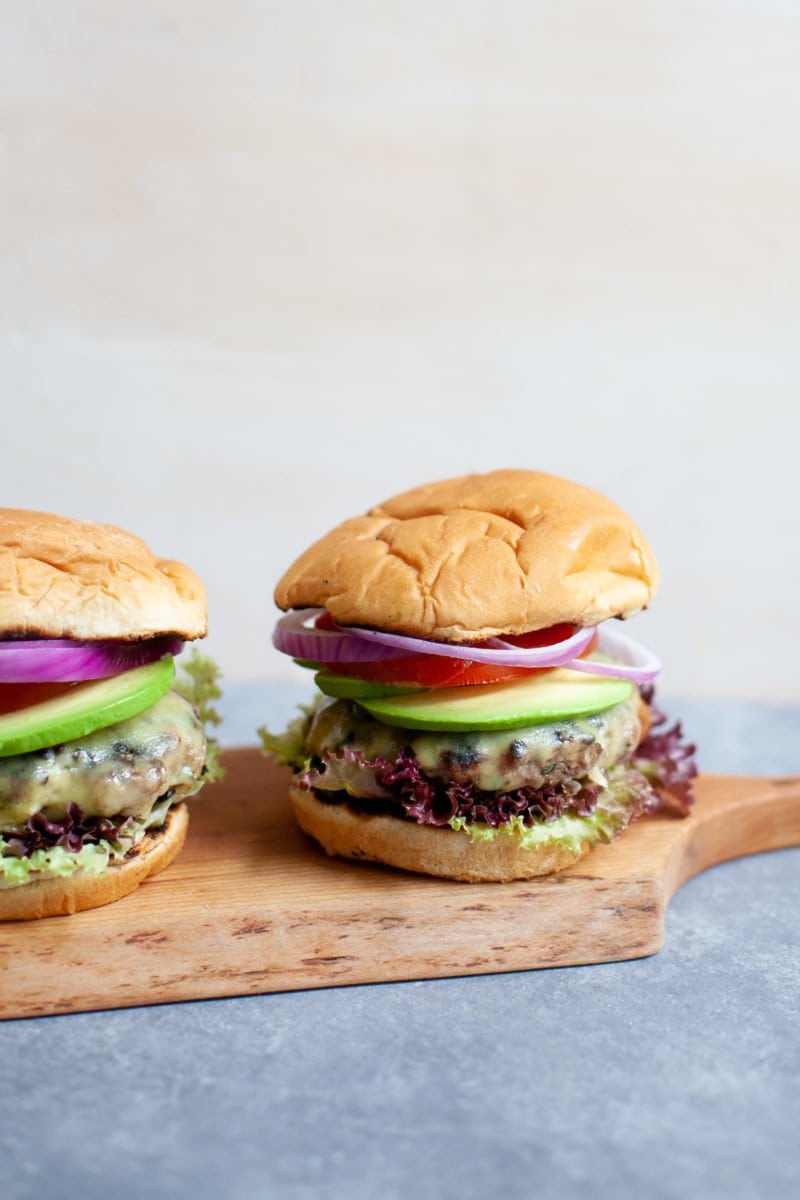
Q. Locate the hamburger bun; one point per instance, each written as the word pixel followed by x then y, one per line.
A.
pixel 63 578
pixel 69 894
pixel 424 849
pixel 478 556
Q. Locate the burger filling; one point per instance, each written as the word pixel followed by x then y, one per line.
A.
pixel 84 804
pixel 569 782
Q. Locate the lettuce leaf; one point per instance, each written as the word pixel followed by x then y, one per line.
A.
pixel 289 748
pixel 627 796
pixel 55 861
pixel 666 759
pixel 58 860
pixel 198 682
pixel 73 832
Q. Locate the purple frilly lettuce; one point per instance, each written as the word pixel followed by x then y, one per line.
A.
pixel 73 832
pixel 666 759
pixel 403 785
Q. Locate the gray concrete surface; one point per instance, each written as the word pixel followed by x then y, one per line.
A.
pixel 674 1076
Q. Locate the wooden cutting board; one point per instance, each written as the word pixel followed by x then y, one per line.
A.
pixel 253 906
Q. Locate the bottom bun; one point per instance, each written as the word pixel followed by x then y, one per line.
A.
pixel 69 894
pixel 426 849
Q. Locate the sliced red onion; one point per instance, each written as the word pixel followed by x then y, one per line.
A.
pixel 296 635
pixel 497 651
pixel 634 661
pixel 63 661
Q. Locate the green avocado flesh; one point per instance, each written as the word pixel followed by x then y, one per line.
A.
pixel 348 687
pixel 557 696
pixel 85 708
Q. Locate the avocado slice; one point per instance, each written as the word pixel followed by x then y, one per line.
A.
pixel 559 695
pixel 85 708
pixel 348 687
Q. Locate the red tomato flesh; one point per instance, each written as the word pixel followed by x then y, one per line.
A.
pixel 433 671
pixel 16 696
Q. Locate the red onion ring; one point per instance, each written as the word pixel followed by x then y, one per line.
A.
pixel 294 637
pixel 497 652
pixel 60 660
pixel 636 662
pixel 364 645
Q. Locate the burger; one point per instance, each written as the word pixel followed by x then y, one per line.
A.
pixel 98 751
pixel 479 714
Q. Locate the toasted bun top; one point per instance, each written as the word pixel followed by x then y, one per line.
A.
pixel 478 556
pixel 61 578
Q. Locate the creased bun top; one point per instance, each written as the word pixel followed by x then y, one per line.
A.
pixel 478 556
pixel 61 578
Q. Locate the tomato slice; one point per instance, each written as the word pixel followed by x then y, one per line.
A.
pixel 433 671
pixel 16 696
pixel 436 671
pixel 540 637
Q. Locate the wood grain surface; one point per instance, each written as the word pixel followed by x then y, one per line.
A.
pixel 253 906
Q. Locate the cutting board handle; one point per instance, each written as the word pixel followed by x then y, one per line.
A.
pixel 738 816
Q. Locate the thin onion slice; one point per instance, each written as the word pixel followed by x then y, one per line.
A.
pixel 634 661
pixel 295 634
pixel 61 660
pixel 497 652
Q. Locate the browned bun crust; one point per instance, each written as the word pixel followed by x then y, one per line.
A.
pixel 478 556
pixel 61 578
pixel 447 853
pixel 63 896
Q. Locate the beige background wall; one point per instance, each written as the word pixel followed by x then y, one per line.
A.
pixel 263 264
